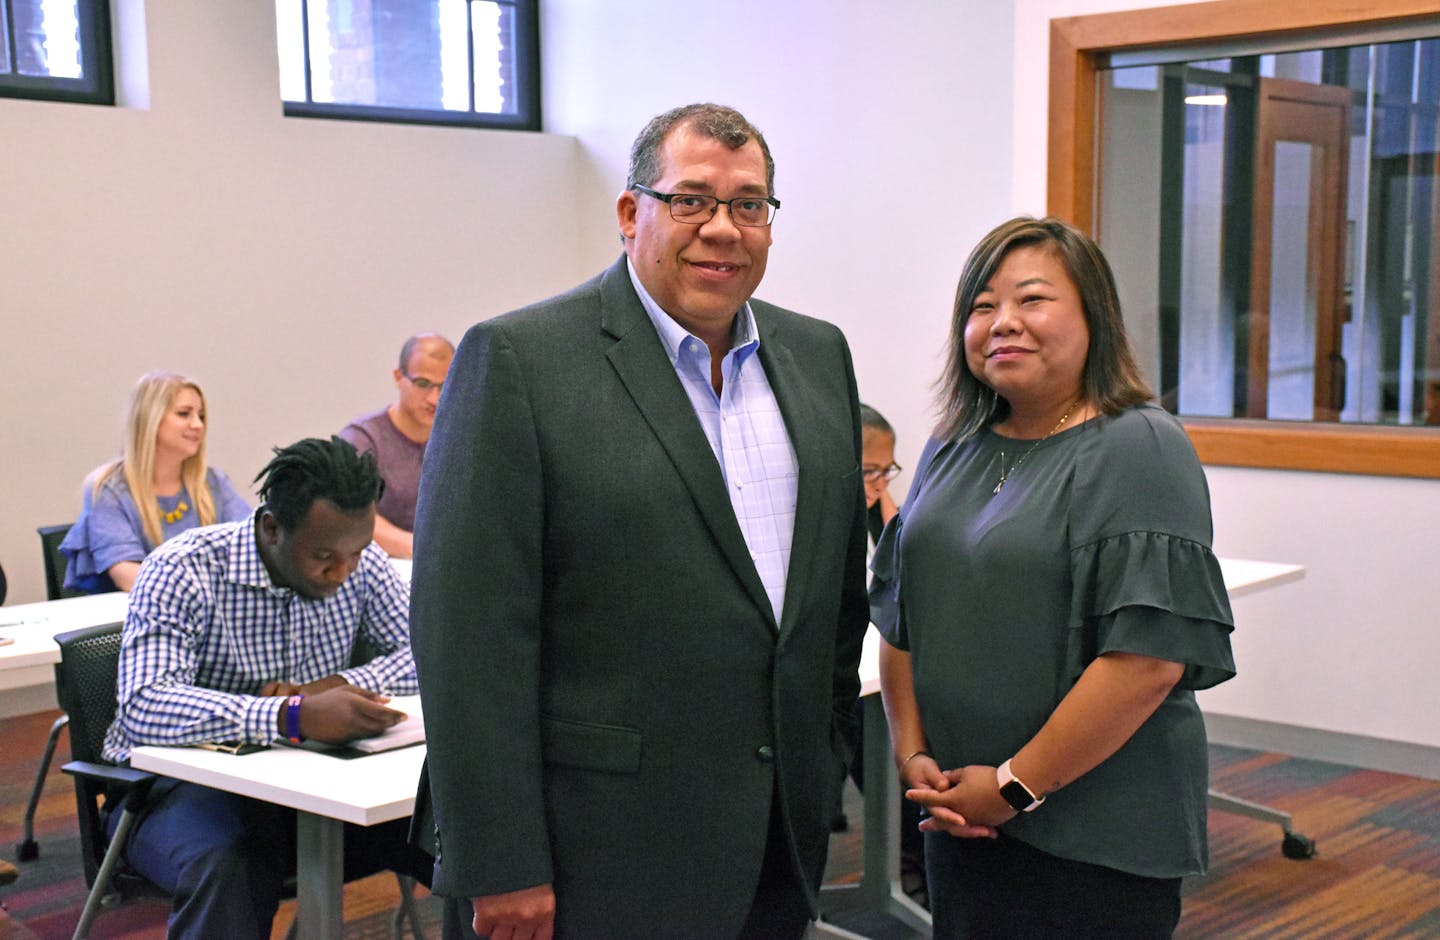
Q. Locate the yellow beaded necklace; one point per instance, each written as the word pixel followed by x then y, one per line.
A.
pixel 178 513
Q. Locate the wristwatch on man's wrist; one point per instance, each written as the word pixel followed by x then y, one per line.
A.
pixel 1021 797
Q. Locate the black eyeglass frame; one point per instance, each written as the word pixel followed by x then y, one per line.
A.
pixel 886 473
pixel 422 383
pixel 668 199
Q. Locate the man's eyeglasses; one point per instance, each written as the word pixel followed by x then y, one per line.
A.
pixel 873 473
pixel 695 209
pixel 421 382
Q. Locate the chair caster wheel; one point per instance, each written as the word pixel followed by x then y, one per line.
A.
pixel 1297 846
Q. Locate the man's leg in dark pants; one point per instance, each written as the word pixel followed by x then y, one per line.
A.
pixel 222 858
pixel 779 911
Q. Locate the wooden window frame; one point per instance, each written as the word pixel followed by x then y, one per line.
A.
pixel 1077 45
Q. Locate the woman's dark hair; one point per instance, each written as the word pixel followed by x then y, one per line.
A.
pixel 872 420
pixel 314 469
pixel 1111 379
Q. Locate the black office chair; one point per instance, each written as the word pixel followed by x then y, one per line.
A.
pixel 3 584
pixel 50 538
pixel 85 681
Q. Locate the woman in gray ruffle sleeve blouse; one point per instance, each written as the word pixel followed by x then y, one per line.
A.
pixel 1051 604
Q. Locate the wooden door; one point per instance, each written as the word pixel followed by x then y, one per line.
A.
pixel 1297 272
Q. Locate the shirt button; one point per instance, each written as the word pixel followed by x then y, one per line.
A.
pixel 765 754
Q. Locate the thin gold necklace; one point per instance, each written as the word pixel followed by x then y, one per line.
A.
pixel 1004 474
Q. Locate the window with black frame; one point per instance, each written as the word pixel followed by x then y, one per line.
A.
pixel 58 50
pixel 462 62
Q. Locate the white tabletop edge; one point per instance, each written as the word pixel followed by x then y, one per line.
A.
pixel 304 780
pixel 1246 577
pixel 35 626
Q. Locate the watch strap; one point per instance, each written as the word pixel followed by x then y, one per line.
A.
pixel 1019 796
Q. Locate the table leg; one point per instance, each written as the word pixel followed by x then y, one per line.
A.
pixel 879 888
pixel 320 875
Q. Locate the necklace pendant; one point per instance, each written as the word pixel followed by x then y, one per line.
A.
pixel 996 490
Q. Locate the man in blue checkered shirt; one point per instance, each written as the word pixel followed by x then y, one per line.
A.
pixel 244 632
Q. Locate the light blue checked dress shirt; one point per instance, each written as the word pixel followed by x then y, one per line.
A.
pixel 747 434
pixel 206 628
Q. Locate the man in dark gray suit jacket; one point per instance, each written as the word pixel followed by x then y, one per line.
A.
pixel 638 599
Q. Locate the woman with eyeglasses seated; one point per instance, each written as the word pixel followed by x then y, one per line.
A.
pixel 878 466
pixel 158 488
pixel 1051 603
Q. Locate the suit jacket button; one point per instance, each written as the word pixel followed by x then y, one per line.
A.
pixel 765 754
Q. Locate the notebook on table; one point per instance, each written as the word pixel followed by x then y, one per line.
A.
pixel 408 732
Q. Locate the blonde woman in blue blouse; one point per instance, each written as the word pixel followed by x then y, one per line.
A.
pixel 158 488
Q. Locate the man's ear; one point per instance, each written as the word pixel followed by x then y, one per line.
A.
pixel 269 527
pixel 625 208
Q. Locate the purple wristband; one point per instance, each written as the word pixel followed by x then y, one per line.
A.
pixel 292 718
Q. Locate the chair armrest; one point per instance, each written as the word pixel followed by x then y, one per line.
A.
pixel 135 784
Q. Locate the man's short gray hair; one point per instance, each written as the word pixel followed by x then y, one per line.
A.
pixel 714 121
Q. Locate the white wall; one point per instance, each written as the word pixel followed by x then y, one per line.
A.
pixel 1353 647
pixel 279 261
pixel 890 129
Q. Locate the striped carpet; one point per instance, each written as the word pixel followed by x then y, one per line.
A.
pixel 1377 873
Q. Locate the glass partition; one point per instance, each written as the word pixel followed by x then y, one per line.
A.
pixel 1273 220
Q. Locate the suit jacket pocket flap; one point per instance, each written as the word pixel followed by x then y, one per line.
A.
pixel 609 748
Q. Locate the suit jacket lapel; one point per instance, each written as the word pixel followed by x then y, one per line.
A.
pixel 639 359
pixel 797 407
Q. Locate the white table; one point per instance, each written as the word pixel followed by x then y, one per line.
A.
pixel 29 659
pixel 879 887
pixel 326 791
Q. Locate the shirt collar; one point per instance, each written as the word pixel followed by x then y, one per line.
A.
pixel 245 566
pixel 672 335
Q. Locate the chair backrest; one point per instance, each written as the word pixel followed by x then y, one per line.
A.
pixel 85 680
pixel 3 585
pixel 50 538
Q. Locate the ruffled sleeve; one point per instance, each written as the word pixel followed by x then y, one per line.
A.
pixel 1152 594
pixel 106 533
pixel 886 605
pixel 886 610
pixel 1143 577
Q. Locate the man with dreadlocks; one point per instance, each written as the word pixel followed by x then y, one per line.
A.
pixel 244 632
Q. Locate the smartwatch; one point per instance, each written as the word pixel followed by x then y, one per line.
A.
pixel 1016 793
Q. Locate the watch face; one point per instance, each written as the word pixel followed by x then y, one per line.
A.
pixel 1017 796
